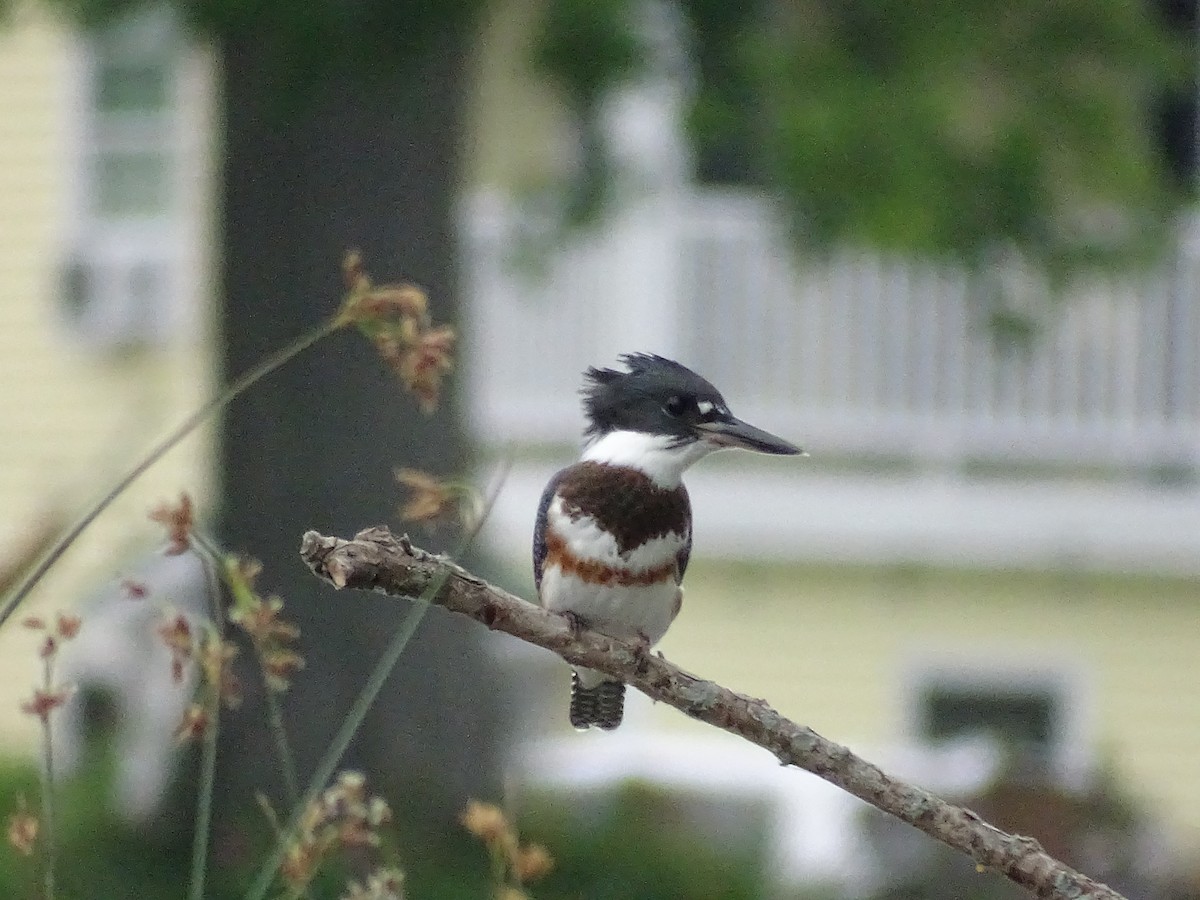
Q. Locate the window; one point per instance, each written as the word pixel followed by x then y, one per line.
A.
pixel 121 278
pixel 1036 713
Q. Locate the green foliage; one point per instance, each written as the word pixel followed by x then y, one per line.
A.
pixel 307 45
pixel 97 856
pixel 951 128
pixel 929 127
pixel 96 13
pixel 587 46
pixel 635 847
pixel 638 846
pixel 724 120
pixel 921 126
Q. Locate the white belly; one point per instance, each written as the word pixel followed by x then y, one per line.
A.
pixel 634 613
pixel 627 612
pixel 630 613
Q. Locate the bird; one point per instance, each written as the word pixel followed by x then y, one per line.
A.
pixel 613 532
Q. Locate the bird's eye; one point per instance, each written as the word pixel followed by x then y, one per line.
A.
pixel 675 405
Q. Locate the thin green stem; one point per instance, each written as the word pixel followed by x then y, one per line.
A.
pixel 264 368
pixel 499 869
pixel 208 755
pixel 273 821
pixel 345 734
pixel 50 844
pixel 287 764
pixel 210 557
pixel 362 704
pixel 204 797
pixel 268 812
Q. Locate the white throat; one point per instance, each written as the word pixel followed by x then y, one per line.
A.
pixel 651 454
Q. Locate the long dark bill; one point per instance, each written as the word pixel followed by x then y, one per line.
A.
pixel 732 432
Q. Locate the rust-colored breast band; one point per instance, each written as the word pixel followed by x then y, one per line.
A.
pixel 592 572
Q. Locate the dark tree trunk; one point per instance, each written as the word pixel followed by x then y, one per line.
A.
pixel 373 163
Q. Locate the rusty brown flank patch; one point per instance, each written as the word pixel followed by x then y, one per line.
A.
pixel 592 572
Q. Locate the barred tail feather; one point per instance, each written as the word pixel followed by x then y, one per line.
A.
pixel 602 705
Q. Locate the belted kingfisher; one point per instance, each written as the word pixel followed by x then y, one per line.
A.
pixel 614 530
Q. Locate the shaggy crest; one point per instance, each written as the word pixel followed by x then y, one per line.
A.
pixel 613 399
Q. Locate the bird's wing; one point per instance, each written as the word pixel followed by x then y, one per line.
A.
pixel 682 557
pixel 685 552
pixel 539 528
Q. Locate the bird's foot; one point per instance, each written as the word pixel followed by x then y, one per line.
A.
pixel 575 622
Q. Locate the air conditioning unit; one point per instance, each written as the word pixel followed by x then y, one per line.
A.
pixel 122 297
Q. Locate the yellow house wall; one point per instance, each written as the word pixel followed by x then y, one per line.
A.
pixel 71 418
pixel 831 648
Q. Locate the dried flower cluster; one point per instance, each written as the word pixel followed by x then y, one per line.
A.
pixel 177 634
pixel 395 317
pixel 179 521
pixel 262 620
pixel 203 646
pixel 382 884
pixel 216 664
pixel 49 697
pixel 513 865
pixel 344 817
pixel 135 590
pixel 432 500
pixel 23 827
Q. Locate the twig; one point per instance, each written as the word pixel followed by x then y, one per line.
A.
pixel 375 560
pixel 283 749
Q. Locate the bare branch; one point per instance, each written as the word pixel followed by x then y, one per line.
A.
pixel 375 560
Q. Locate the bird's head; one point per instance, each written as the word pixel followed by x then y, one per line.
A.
pixel 661 417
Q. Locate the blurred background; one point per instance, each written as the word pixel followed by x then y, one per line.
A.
pixel 949 248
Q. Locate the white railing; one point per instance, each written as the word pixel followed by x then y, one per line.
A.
pixel 857 354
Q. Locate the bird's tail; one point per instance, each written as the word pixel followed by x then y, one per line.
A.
pixel 602 705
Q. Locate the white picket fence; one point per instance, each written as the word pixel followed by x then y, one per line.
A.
pixel 854 355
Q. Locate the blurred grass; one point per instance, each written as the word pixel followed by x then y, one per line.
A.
pixel 638 845
pixel 640 842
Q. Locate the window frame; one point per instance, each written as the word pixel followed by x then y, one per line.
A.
pixel 123 274
pixel 1071 752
